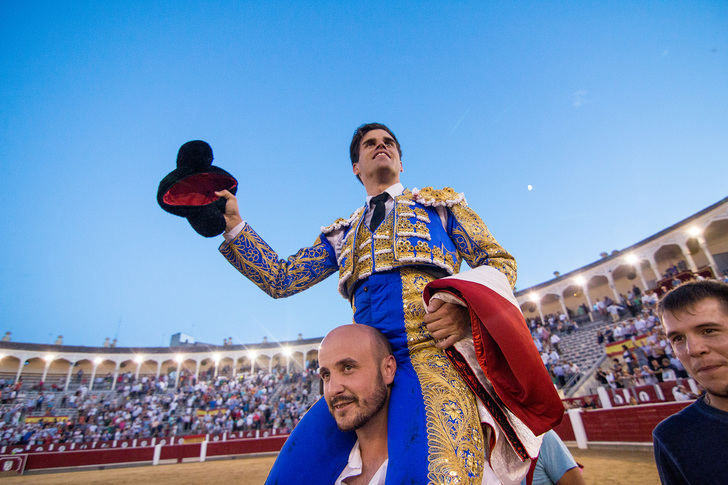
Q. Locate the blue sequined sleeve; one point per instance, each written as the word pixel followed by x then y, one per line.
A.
pixel 476 244
pixel 279 278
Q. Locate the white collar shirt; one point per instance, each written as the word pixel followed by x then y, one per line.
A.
pixel 393 191
pixel 353 468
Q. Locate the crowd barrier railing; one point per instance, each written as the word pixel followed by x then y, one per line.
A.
pixel 152 454
pixel 626 425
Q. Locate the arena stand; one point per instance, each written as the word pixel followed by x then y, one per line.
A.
pixel 69 406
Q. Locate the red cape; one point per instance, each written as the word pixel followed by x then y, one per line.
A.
pixel 506 353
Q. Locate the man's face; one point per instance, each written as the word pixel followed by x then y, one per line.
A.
pixel 699 338
pixel 354 386
pixel 379 160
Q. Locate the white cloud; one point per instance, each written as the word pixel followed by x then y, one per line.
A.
pixel 579 98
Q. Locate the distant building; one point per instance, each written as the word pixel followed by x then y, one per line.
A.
pixel 180 338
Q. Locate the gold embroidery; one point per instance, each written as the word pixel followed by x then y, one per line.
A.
pixel 363 253
pixel 404 226
pixel 362 257
pixel 478 246
pixel 445 197
pixel 422 215
pixel 278 277
pixel 454 436
pixel 383 254
pixel 437 256
pixel 421 230
pixel 341 223
pixel 404 249
pixel 424 253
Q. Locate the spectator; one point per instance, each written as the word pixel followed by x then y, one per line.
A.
pixel 667 371
pixel 555 465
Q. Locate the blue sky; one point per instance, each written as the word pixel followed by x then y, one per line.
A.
pixel 616 114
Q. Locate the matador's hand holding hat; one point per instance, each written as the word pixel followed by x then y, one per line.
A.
pixel 189 190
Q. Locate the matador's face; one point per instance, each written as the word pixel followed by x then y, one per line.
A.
pixel 379 161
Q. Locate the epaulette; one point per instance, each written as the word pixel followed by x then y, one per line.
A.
pixel 341 222
pixel 445 197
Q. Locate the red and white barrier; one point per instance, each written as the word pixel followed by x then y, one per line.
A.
pixel 12 464
pixel 618 425
pixel 140 455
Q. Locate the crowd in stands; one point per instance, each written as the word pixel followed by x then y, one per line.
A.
pixel 632 316
pixel 646 358
pixel 151 407
pixel 547 338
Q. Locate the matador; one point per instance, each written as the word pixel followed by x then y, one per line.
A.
pixel 470 397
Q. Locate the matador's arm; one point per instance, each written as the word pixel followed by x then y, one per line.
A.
pixel 280 278
pixel 476 244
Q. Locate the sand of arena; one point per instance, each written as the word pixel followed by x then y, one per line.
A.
pixel 605 466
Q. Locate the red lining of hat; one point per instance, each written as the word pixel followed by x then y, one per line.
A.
pixel 198 189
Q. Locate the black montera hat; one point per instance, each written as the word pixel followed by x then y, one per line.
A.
pixel 189 190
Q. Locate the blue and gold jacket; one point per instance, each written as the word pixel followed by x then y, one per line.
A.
pixel 431 229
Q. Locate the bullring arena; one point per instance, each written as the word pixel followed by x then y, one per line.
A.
pixel 195 413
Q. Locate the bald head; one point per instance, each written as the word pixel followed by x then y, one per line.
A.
pixel 356 368
pixel 378 344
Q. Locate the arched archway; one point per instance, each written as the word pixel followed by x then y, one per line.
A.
pixel 716 240
pixel 550 305
pixel 669 255
pixel 147 368
pixel 625 277
pixel 312 359
pixel 599 288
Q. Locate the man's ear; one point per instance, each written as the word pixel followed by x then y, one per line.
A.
pixel 401 166
pixel 389 368
pixel 355 168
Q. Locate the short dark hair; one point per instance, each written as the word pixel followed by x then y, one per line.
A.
pixel 359 134
pixel 688 294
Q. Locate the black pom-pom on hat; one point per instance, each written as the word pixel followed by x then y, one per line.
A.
pixel 189 190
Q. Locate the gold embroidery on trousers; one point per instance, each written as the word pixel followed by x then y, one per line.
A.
pixel 454 435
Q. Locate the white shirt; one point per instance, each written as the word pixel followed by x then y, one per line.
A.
pixel 353 468
pixel 393 191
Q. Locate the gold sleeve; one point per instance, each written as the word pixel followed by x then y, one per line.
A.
pixel 279 278
pixel 476 244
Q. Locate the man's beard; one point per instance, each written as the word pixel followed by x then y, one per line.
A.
pixel 366 407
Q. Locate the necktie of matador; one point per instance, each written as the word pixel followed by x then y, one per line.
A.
pixel 379 210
